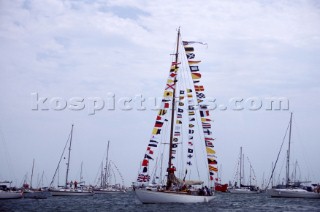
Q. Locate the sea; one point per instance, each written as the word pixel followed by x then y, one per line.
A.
pixel 128 202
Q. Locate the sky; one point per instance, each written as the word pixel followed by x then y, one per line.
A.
pixel 94 50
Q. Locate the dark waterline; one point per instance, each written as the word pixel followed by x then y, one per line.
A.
pixel 128 202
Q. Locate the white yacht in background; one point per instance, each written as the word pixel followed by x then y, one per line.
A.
pixel 241 188
pixel 293 189
pixel 69 189
pixel 7 193
pixel 105 186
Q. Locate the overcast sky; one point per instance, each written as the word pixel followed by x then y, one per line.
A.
pixel 92 49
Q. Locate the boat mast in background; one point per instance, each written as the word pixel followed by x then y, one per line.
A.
pixel 69 153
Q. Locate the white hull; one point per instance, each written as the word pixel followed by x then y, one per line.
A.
pixel 68 192
pixel 242 191
pixel 146 196
pixel 293 193
pixel 10 195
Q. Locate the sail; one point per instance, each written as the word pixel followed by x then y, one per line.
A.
pixel 203 108
pixel 155 139
pixel 183 111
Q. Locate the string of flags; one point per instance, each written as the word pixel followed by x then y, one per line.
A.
pixel 204 112
pixel 159 123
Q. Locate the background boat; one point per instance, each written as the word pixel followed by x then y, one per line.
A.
pixel 69 189
pixel 292 189
pixel 107 173
pixel 7 192
pixel 242 188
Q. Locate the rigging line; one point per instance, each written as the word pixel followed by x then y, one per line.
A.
pixel 281 168
pixel 181 148
pixel 118 171
pixel 96 179
pixel 53 178
pixel 254 175
pixel 235 176
pixel 154 170
pixel 283 140
pixel 305 159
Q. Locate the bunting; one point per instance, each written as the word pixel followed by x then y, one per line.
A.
pixel 204 112
pixel 191 117
pixel 159 123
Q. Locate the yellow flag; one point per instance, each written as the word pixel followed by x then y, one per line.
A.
pixel 169 81
pixel 168 94
pixel 211 168
pixel 194 61
pixel 196 75
pixel 156 131
pixel 210 151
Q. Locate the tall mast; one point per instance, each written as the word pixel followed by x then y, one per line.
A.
pixel 173 109
pixel 81 172
pixel 243 176
pixel 32 174
pixel 68 164
pixel 250 175
pixel 271 175
pixel 240 165
pixel 288 154
pixel 106 168
pixel 101 176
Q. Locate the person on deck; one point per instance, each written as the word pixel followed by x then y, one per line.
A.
pixel 171 176
pixel 75 184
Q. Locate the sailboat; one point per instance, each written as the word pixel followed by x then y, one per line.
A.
pixel 7 193
pixel 68 189
pixel 241 188
pixel 105 187
pixel 181 136
pixel 293 189
pixel 30 192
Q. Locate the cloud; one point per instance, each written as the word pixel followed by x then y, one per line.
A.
pixel 90 48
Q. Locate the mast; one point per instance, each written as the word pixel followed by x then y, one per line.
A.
pixel 41 183
pixel 172 111
pixel 288 154
pixel 32 174
pixel 81 172
pixel 250 176
pixel 68 164
pixel 240 166
pixel 101 175
pixel 272 175
pixel 243 176
pixel 106 168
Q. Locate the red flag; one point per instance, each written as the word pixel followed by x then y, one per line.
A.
pixel 145 162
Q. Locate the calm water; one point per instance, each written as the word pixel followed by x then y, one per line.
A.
pixel 128 202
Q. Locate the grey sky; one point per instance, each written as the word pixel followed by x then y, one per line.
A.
pixel 91 48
